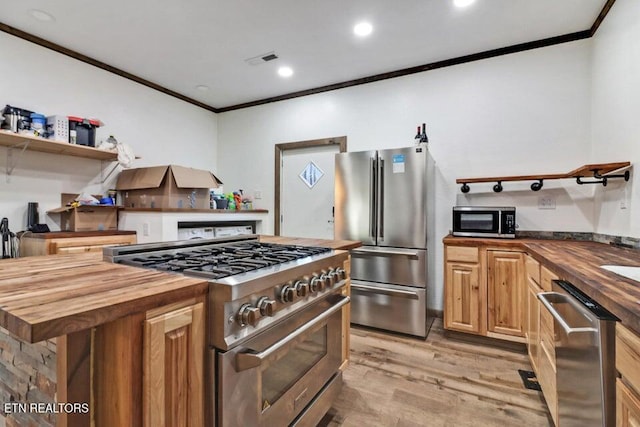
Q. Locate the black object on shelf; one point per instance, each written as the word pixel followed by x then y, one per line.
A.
pixel 9 249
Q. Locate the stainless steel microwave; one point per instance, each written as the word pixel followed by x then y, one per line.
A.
pixel 484 221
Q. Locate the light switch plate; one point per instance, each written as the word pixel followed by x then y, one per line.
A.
pixel 257 194
pixel 546 202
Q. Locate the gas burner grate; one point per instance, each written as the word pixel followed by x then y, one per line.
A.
pixel 218 261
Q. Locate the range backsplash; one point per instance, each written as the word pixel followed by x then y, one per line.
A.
pixel 629 242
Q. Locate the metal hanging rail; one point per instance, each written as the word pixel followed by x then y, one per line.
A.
pixel 601 172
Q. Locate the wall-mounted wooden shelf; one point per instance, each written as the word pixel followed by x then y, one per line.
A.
pixel 34 143
pixel 602 172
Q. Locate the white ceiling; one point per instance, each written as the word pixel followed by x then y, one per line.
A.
pixel 183 44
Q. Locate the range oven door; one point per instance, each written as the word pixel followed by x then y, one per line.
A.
pixel 270 379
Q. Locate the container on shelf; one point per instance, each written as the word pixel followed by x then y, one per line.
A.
pixel 83 131
pixel 58 128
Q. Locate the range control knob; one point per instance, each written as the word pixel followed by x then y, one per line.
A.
pixel 288 293
pixel 302 288
pixel 329 280
pixel 248 315
pixel 267 306
pixel 340 273
pixel 316 284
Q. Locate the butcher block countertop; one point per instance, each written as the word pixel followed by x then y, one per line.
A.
pixel 48 296
pixel 579 262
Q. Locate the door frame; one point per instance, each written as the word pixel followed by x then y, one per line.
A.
pixel 340 141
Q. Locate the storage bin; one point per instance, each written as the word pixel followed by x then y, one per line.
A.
pixel 83 131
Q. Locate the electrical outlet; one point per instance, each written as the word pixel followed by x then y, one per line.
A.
pixel 623 204
pixel 257 194
pixel 146 229
pixel 546 202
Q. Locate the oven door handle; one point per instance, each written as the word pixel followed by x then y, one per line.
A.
pixel 246 361
pixel 544 299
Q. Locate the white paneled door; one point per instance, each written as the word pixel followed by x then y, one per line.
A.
pixel 306 197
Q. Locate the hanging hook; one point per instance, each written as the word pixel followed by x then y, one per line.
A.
pixel 536 186
pixel 464 188
pixel 498 187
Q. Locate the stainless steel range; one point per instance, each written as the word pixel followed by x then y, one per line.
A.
pixel 274 327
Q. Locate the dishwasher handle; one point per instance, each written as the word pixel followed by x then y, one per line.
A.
pixel 544 299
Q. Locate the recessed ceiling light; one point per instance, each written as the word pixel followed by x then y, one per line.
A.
pixel 41 15
pixel 463 3
pixel 285 71
pixel 202 88
pixel 362 29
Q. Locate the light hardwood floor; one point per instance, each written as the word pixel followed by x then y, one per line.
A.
pixel 443 381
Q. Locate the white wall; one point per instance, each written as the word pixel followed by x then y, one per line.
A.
pixel 159 128
pixel 526 113
pixel 616 115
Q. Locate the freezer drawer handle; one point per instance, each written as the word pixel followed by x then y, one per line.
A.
pixel 385 252
pixel 246 361
pixel 543 297
pixel 382 291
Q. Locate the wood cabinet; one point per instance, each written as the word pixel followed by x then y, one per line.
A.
pixel 505 293
pixel 173 367
pixel 628 385
pixel 546 358
pixel 532 324
pixel 462 292
pixel 484 292
pixel 71 243
pixel 149 368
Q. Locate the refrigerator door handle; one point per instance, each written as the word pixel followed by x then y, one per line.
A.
pixel 379 252
pixel 381 201
pixel 372 197
pixel 383 291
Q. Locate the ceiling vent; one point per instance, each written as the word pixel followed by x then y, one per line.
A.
pixel 261 59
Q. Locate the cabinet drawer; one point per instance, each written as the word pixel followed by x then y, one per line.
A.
pixel 628 355
pixel 546 277
pixel 627 405
pixel 547 344
pixel 533 269
pixel 547 380
pixel 462 253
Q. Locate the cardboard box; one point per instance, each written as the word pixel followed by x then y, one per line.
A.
pixel 170 186
pixel 85 218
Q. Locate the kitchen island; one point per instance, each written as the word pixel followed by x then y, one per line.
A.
pixel 77 333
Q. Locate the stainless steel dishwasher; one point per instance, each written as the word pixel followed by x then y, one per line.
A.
pixel 585 356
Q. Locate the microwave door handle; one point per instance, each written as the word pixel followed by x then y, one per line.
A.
pixel 246 361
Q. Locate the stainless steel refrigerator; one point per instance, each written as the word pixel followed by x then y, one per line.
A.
pixel 381 199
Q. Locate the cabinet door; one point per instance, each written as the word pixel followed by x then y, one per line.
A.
pixel 627 406
pixel 533 324
pixel 462 311
pixel 173 385
pixel 505 293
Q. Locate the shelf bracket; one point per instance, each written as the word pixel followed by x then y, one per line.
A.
pixel 104 178
pixel 11 162
pixel 626 175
